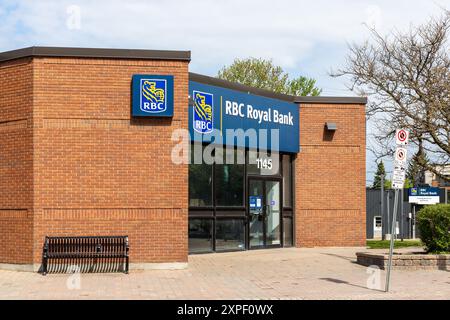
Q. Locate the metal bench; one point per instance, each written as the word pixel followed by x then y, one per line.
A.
pixel 85 254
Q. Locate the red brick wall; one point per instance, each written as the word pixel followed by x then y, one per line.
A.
pixel 330 177
pixel 16 163
pixel 73 162
pixel 99 172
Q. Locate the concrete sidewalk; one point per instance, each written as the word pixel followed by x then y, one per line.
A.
pixel 320 273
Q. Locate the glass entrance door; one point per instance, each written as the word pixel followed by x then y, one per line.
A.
pixel 256 213
pixel 264 214
pixel 273 214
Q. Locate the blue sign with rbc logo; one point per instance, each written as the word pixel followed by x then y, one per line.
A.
pixel 152 95
pixel 424 192
pixel 203 112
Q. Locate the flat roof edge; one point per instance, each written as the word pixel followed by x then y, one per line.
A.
pixel 106 53
pixel 331 100
pixel 270 94
pixel 238 87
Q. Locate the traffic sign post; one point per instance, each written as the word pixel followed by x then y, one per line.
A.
pixel 393 234
pixel 401 137
pixel 398 181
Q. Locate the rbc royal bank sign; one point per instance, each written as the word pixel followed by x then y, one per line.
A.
pixel 152 96
pixel 214 110
pixel 425 195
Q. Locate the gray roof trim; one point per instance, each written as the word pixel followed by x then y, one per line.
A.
pixel 239 87
pixel 331 100
pixel 269 94
pixel 95 53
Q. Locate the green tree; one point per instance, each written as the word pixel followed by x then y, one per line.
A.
pixel 263 74
pixel 408 184
pixel 303 86
pixel 415 172
pixel 381 173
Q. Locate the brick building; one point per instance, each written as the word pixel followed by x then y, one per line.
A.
pixel 76 158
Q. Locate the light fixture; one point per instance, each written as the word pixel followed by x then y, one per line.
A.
pixel 331 126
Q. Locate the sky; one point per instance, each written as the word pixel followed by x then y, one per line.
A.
pixel 307 38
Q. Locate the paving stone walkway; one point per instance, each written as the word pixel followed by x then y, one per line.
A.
pixel 320 273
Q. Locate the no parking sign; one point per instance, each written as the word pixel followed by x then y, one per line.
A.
pixel 400 156
pixel 401 137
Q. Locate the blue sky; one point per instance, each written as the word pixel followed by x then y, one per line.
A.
pixel 305 37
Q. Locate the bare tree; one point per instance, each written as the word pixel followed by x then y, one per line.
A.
pixel 407 76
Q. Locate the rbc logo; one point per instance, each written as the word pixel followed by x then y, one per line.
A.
pixel 153 95
pixel 413 191
pixel 203 112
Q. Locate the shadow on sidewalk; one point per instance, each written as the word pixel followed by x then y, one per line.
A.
pixel 349 284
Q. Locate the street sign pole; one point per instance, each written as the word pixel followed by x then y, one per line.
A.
pixel 393 232
pixel 388 210
pixel 402 197
pixel 398 181
pixel 383 217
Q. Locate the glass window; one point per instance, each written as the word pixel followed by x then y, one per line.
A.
pixel 263 163
pixel 230 234
pixel 200 235
pixel 378 222
pixel 287 232
pixel 229 182
pixel 287 181
pixel 200 181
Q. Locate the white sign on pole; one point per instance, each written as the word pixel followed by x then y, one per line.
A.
pixel 401 137
pixel 399 172
pixel 424 200
pixel 399 165
pixel 398 179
